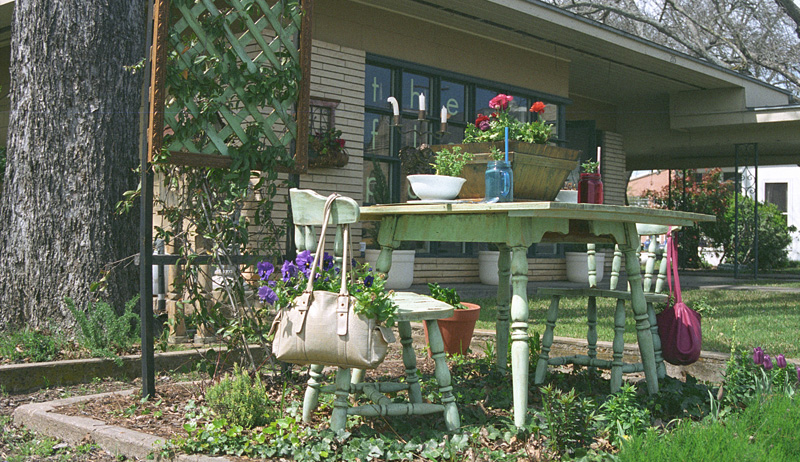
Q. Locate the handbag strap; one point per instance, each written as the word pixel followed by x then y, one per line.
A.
pixel 672 272
pixel 326 214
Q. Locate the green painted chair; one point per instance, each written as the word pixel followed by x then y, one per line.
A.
pixel 307 214
pixel 654 284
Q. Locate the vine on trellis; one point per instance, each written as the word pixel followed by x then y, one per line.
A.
pixel 232 77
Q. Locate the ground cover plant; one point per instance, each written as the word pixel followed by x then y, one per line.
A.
pixel 767 318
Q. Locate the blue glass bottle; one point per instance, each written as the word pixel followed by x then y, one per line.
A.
pixel 499 181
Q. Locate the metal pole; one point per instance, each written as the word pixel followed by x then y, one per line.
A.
pixel 755 211
pixel 669 190
pixel 146 225
pixel 736 212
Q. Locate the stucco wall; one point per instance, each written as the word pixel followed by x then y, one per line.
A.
pixel 377 31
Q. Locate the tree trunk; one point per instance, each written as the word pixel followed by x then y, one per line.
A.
pixel 73 142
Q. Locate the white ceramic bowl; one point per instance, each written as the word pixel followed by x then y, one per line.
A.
pixel 436 187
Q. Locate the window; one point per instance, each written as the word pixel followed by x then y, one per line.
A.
pixel 777 194
pixel 463 97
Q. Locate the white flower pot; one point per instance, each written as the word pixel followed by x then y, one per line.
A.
pixel 401 274
pixel 487 267
pixel 566 195
pixel 436 187
pixel 578 267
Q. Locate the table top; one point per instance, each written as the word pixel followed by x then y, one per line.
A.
pixel 533 209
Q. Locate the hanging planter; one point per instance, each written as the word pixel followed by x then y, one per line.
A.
pixel 326 149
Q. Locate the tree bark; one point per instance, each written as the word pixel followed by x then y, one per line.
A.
pixel 73 142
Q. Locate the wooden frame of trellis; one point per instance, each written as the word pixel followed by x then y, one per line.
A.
pixel 252 34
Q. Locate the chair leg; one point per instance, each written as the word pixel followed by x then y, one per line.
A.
pixel 410 361
pixel 340 404
pixel 442 372
pixel 660 368
pixel 618 346
pixel 547 340
pixel 591 333
pixel 311 398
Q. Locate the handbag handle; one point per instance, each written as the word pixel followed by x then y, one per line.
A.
pixel 326 214
pixel 672 258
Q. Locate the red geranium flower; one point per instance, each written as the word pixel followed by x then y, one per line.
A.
pixel 500 101
pixel 538 107
pixel 341 142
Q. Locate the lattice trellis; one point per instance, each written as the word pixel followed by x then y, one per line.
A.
pixel 227 74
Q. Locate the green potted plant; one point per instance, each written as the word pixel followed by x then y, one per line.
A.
pixel 539 168
pixel 444 184
pixel 456 330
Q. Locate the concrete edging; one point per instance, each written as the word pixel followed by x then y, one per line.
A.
pixel 40 418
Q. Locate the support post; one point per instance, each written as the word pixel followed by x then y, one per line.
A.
pixel 146 225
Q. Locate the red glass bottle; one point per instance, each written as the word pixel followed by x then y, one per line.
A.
pixel 590 189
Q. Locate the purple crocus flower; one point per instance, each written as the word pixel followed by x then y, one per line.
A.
pixel 304 261
pixel 267 295
pixel 264 269
pixel 780 361
pixel 289 270
pixel 758 355
pixel 767 363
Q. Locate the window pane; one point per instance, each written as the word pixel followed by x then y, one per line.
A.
pixel 482 98
pixel 452 97
pixel 414 132
pixel 377 134
pixel 518 108
pixel 776 194
pixel 413 86
pixel 377 185
pixel 378 86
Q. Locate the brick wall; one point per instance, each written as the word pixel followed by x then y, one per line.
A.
pixel 615 176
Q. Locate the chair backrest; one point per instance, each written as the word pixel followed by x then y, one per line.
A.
pixel 657 237
pixel 307 214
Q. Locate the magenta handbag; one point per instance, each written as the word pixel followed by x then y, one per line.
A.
pixel 678 325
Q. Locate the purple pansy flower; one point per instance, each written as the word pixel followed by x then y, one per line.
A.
pixel 368 280
pixel 289 270
pixel 304 261
pixel 767 363
pixel 264 269
pixel 758 355
pixel 327 261
pixel 780 361
pixel 268 295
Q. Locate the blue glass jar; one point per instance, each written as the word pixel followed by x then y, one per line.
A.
pixel 499 181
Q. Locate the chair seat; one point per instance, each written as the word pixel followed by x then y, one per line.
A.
pixel 607 293
pixel 415 307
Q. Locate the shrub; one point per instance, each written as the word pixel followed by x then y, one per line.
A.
pixel 773 234
pixel 30 345
pixel 103 332
pixel 241 400
pixel 624 417
pixel 568 421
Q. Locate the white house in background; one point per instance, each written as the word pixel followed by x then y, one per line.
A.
pixel 780 185
pixel 777 184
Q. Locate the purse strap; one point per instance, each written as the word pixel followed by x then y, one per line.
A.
pixel 326 214
pixel 672 272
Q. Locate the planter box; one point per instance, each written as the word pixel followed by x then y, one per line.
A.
pixel 539 169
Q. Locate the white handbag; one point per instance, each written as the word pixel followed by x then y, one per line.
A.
pixel 320 327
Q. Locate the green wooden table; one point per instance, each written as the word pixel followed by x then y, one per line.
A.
pixel 514 227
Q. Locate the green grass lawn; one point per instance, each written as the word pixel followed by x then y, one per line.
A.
pixel 749 318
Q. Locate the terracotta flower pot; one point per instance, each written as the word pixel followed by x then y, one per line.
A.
pixel 457 330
